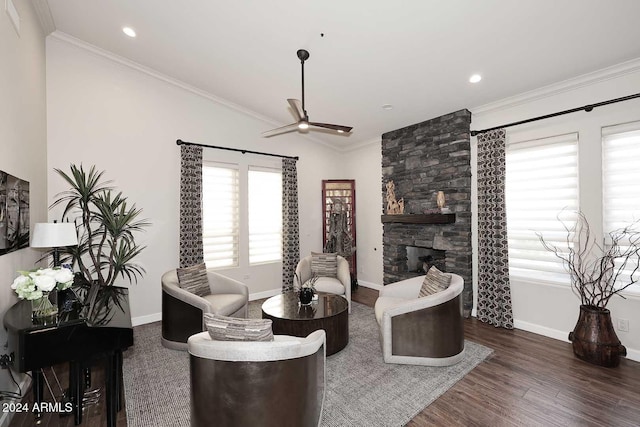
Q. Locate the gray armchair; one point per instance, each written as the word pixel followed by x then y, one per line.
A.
pixel 257 383
pixel 340 285
pixel 182 311
pixel 421 331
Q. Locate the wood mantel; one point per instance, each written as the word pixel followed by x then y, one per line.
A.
pixel 420 218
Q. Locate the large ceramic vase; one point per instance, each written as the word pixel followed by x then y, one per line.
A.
pixel 594 339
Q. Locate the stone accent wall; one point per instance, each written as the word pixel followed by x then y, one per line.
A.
pixel 423 159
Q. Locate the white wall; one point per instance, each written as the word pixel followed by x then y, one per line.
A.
pixel 22 139
pixel 543 308
pixel 364 164
pixel 106 111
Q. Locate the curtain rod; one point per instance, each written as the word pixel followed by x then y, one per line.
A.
pixel 586 108
pixel 181 142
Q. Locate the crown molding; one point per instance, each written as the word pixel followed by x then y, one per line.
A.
pixel 64 37
pixel 585 80
pixel 360 144
pixel 43 12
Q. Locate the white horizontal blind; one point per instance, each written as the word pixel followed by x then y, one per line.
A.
pixel 541 184
pixel 220 222
pixel 265 215
pixel 621 184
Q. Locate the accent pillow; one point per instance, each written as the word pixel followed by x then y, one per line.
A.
pixel 223 328
pixel 194 279
pixel 435 281
pixel 324 264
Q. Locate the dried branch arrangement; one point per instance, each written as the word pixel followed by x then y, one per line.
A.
pixel 596 268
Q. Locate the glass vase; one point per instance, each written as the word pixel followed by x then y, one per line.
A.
pixel 44 307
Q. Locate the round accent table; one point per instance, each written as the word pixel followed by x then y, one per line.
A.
pixel 329 312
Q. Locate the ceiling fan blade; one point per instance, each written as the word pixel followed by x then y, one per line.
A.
pixel 296 106
pixel 345 129
pixel 283 129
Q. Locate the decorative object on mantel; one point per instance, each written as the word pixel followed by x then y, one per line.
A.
pixel 441 202
pixel 40 288
pixel 106 224
pixel 394 206
pixel 594 271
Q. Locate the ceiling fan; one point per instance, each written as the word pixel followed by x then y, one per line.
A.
pixel 300 113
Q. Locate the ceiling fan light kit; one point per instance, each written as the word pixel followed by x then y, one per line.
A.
pixel 302 118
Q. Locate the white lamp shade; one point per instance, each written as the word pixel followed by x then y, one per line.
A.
pixel 54 235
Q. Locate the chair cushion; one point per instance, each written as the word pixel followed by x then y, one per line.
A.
pixel 324 264
pixel 194 279
pixel 225 304
pixel 383 303
pixel 223 328
pixel 330 285
pixel 435 281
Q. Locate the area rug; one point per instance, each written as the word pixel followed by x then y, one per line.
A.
pixel 361 389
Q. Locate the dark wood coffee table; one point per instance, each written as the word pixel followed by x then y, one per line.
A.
pixel 330 312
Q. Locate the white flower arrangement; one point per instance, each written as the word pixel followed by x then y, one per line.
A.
pixel 32 285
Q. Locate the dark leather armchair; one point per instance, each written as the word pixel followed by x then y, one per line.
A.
pixel 421 331
pixel 257 383
pixel 182 311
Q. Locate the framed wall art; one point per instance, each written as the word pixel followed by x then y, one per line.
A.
pixel 14 213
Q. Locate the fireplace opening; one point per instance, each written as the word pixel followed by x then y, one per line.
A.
pixel 420 259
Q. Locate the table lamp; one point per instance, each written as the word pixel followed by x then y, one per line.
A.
pixel 54 235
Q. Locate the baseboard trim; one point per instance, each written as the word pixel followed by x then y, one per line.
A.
pixel 265 294
pixel 370 285
pixel 632 354
pixel 143 320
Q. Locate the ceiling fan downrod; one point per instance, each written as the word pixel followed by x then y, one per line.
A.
pixel 303 55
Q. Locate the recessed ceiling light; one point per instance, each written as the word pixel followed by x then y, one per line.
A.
pixel 475 78
pixel 387 107
pixel 129 31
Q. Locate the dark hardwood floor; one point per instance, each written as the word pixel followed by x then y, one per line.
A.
pixel 529 380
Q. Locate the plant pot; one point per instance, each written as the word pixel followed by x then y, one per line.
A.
pixel 594 339
pixel 306 296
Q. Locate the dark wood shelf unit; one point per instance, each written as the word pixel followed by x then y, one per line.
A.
pixel 420 218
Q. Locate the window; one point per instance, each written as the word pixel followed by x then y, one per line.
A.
pixel 541 182
pixel 220 221
pixel 242 214
pixel 620 174
pixel 265 215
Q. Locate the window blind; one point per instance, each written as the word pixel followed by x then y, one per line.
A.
pixel 541 185
pixel 621 192
pixel 220 222
pixel 265 215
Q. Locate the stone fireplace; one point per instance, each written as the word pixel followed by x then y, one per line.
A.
pixel 421 160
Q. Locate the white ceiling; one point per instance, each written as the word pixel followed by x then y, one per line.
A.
pixel 415 54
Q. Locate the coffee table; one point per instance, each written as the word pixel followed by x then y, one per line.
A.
pixel 329 312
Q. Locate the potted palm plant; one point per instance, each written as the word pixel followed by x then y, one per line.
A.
pixel 107 225
pixel 598 272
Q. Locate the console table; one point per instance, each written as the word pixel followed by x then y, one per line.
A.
pixel 101 329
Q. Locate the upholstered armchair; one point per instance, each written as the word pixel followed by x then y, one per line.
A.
pixel 340 285
pixel 421 331
pixel 257 383
pixel 182 311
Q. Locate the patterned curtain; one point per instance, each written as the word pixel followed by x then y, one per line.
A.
pixel 190 205
pixel 290 236
pixel 494 292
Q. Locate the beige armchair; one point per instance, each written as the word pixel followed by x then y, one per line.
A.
pixel 340 285
pixel 182 311
pixel 421 331
pixel 257 383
